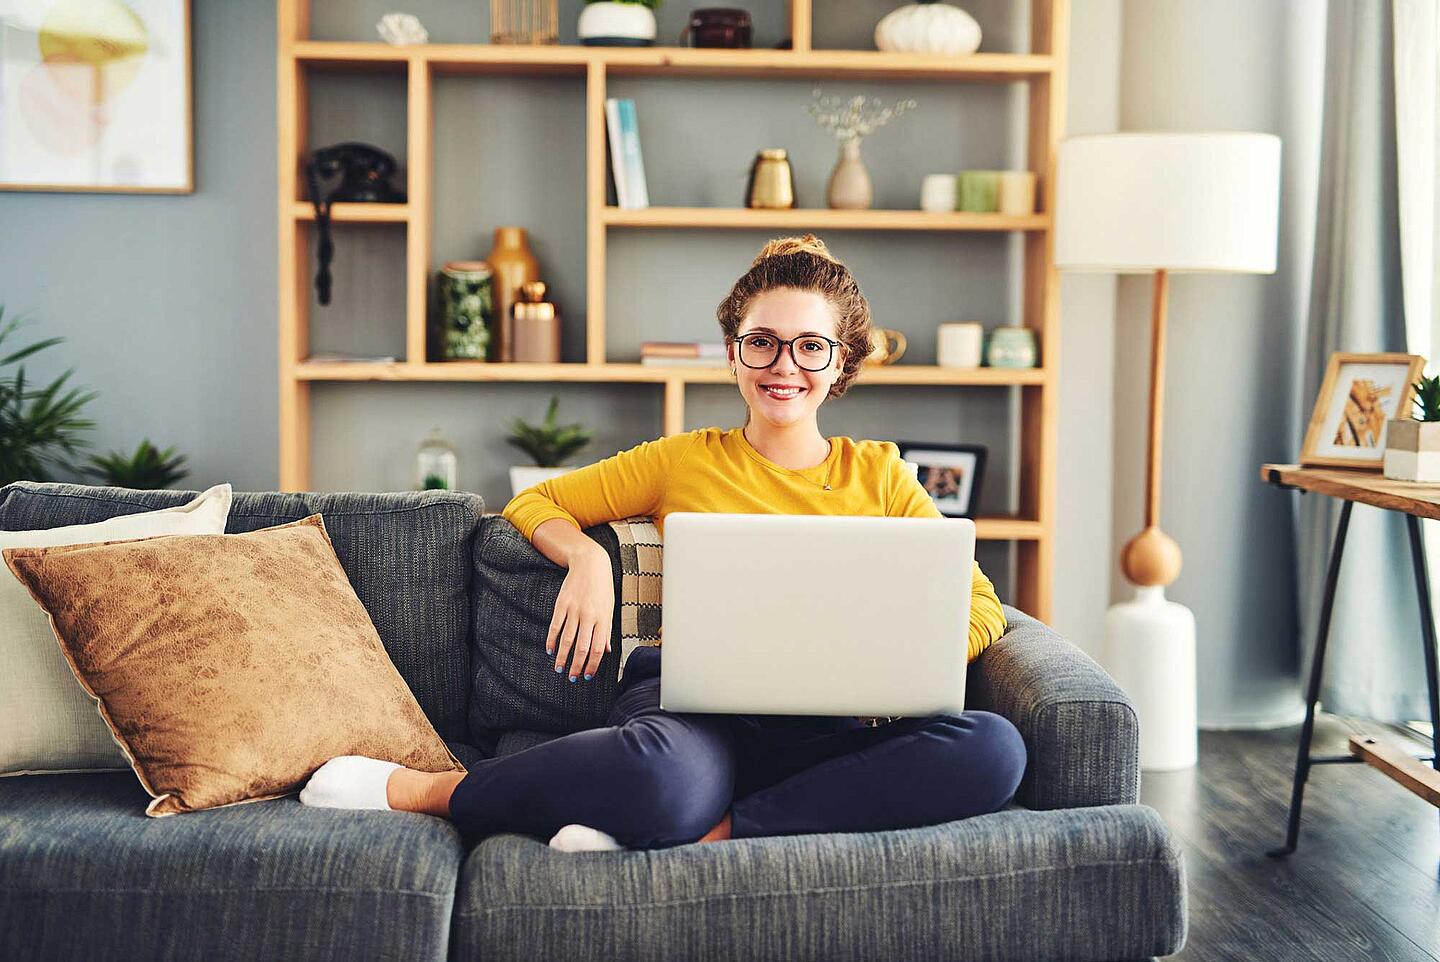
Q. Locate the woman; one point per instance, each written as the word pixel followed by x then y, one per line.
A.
pixel 797 329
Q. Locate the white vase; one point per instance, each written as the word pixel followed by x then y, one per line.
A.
pixel 523 476
pixel 1412 450
pixel 1150 652
pixel 609 24
pixel 933 28
pixel 849 187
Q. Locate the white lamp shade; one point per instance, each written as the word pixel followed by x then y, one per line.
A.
pixel 1140 202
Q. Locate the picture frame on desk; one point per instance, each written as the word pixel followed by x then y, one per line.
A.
pixel 950 473
pixel 1359 394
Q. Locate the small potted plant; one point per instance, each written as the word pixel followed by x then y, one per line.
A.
pixel 1412 445
pixel 618 23
pixel 149 468
pixel 548 444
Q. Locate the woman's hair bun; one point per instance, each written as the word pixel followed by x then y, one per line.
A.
pixel 809 244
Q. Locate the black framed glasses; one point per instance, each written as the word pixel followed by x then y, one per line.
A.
pixel 810 352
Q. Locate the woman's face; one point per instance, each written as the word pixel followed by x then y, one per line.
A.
pixel 785 313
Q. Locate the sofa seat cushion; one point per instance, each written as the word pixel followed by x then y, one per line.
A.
pixel 1089 883
pixel 86 875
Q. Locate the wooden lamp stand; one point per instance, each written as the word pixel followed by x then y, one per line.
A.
pixel 1152 557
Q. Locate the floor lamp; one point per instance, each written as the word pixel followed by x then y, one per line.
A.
pixel 1163 203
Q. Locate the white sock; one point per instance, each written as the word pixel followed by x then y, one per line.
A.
pixel 349 781
pixel 583 838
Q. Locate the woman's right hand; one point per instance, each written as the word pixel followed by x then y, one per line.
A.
pixel 584 610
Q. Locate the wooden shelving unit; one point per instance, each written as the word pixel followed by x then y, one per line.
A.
pixel 1043 70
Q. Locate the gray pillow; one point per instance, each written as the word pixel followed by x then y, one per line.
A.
pixel 513 681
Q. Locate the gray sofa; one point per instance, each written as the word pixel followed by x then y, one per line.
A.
pixel 1072 869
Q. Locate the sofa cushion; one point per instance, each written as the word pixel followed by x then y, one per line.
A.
pixel 87 876
pixel 1096 883
pixel 229 666
pixel 48 722
pixel 407 554
pixel 514 684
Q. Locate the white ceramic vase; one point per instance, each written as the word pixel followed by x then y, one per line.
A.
pixel 849 187
pixel 611 24
pixel 1150 652
pixel 1412 450
pixel 523 476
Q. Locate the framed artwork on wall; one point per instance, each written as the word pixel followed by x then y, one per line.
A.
pixel 1359 394
pixel 96 96
pixel 951 473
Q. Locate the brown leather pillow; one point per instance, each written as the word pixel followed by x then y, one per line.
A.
pixel 229 666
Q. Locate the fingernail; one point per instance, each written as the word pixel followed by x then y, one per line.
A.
pixel 588 677
pixel 557 669
pixel 572 677
pixel 549 651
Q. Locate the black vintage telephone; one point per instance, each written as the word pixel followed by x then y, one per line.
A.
pixel 364 174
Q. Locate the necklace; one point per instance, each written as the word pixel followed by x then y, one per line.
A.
pixel 829 465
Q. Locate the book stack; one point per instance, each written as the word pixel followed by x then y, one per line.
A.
pixel 626 166
pixel 683 354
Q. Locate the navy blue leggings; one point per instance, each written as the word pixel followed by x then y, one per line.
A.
pixel 655 779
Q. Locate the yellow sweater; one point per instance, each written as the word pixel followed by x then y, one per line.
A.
pixel 710 469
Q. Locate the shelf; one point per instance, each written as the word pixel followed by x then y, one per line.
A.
pixel 819 217
pixel 460 58
pixel 913 374
pixel 355 213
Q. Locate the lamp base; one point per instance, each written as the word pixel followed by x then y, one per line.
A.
pixel 1150 652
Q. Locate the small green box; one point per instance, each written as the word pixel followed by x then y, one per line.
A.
pixel 978 191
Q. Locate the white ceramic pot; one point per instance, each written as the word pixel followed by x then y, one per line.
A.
pixel 610 24
pixel 523 476
pixel 925 27
pixel 1412 450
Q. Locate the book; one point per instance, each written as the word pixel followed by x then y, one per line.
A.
pixel 682 349
pixel 651 360
pixel 324 358
pixel 634 163
pixel 617 154
pixel 627 166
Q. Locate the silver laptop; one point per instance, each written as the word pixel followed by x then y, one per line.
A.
pixel 815 614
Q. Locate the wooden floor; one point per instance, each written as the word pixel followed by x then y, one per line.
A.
pixel 1363 883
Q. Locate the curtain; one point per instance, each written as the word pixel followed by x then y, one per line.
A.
pixel 1359 301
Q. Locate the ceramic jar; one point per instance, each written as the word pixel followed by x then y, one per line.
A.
pixel 1011 347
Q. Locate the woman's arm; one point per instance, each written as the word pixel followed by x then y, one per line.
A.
pixel 909 499
pixel 624 485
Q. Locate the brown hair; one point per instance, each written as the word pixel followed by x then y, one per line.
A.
pixel 805 264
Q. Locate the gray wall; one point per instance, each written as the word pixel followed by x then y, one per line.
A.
pixel 168 302
pixel 1224 65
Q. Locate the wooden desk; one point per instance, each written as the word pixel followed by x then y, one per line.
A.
pixel 1415 501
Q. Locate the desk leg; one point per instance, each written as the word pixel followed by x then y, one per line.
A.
pixel 1322 634
pixel 1427 632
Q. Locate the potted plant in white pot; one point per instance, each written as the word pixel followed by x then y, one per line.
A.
pixel 617 23
pixel 1412 445
pixel 548 444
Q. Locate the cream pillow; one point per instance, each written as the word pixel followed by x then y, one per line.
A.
pixel 48 722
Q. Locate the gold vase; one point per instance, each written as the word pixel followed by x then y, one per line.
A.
pixel 514 265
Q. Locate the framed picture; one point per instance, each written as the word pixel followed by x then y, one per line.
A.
pixel 1360 393
pixel 950 472
pixel 96 96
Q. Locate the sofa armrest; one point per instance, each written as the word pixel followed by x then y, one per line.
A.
pixel 1081 731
